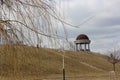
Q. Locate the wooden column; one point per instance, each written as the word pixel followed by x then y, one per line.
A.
pixel 85 47
pixel 89 47
pixel 76 47
pixel 80 47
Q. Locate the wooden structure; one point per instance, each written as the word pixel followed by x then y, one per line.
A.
pixel 82 43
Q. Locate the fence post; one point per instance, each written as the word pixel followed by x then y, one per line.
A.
pixel 112 75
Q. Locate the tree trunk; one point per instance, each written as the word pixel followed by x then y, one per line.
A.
pixel 114 67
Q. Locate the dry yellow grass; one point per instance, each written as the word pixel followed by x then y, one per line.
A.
pixel 29 62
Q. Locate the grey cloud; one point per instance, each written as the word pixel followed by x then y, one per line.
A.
pixel 103 29
pixel 94 31
pixel 107 22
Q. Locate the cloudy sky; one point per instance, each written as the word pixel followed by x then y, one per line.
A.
pixel 103 28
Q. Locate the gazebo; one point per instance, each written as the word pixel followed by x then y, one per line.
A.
pixel 82 43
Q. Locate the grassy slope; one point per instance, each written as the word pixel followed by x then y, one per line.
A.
pixel 22 60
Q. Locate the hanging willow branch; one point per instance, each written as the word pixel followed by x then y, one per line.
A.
pixel 35 18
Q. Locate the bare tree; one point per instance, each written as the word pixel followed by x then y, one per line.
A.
pixel 33 22
pixel 114 58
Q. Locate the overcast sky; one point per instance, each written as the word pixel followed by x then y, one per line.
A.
pixel 103 28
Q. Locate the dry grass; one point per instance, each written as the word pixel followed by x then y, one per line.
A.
pixel 25 61
pixel 29 63
pixel 34 78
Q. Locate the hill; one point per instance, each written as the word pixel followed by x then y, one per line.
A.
pixel 32 61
